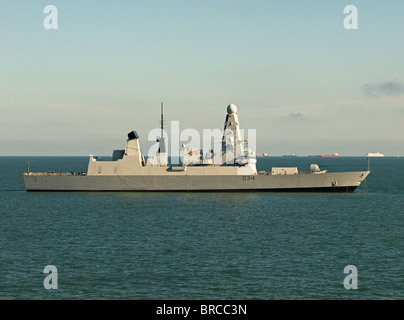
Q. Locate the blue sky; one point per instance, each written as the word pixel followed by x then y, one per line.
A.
pixel 304 82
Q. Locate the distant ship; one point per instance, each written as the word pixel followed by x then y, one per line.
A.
pixel 375 154
pixel 334 155
pixel 290 155
pixel 263 155
pixel 128 170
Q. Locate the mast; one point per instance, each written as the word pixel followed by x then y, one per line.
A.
pixel 162 121
pixel 162 145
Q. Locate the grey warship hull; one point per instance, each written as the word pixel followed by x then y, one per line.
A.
pixel 326 182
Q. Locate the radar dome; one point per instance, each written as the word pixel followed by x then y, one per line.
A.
pixel 231 109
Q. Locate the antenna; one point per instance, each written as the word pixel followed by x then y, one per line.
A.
pixel 162 120
pixel 162 148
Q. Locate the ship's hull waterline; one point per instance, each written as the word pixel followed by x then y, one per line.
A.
pixel 324 182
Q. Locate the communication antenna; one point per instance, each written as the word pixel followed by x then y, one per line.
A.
pixel 162 148
pixel 162 120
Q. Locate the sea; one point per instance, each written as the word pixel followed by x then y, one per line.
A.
pixel 203 246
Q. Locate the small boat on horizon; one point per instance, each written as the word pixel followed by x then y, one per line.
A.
pixel 263 155
pixel 375 154
pixel 334 155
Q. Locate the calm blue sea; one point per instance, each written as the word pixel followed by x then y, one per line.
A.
pixel 203 245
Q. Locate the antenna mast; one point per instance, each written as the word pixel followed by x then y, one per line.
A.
pixel 162 148
pixel 162 121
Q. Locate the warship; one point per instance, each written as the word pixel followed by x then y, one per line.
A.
pixel 231 169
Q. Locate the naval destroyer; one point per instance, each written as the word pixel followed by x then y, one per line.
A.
pixel 232 169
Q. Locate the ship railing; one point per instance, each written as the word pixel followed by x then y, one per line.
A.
pixel 268 173
pixel 55 173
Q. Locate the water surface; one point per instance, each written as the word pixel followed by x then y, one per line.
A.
pixel 203 245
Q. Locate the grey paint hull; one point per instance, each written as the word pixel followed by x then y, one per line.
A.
pixel 332 182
